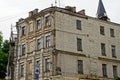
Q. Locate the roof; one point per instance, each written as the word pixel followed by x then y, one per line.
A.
pixel 101 11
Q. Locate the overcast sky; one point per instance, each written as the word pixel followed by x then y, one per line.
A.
pixel 12 10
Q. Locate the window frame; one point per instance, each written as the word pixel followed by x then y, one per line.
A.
pixel 47 64
pixel 38 24
pixel 115 71
pixel 23 47
pixel 39 45
pixel 37 66
pixel 102 30
pixel 23 31
pixel 112 32
pixel 103 49
pixel 80 66
pixel 22 70
pixel 113 51
pixel 79 44
pixel 78 24
pixel 47 21
pixel 104 70
pixel 47 41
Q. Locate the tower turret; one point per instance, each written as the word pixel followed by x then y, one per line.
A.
pixel 101 13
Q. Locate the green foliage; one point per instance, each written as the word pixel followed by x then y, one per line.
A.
pixel 1 39
pixel 3 63
pixel 118 79
pixel 4 48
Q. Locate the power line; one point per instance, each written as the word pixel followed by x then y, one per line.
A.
pixel 6 18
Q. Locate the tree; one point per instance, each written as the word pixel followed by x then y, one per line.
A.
pixel 1 39
pixel 3 63
pixel 4 48
pixel 118 79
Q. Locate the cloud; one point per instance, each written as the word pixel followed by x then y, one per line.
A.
pixel 20 8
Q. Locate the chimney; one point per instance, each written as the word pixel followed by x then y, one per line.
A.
pixel 21 19
pixel 30 13
pixel 73 9
pixel 82 12
pixel 35 11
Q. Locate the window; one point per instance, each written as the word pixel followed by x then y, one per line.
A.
pixel 113 50
pixel 48 64
pixel 47 41
pixel 38 24
pixel 104 70
pixel 22 71
pixel 103 50
pixel 38 44
pixel 38 63
pixel 78 24
pixel 31 28
pixel 112 33
pixel 47 20
pixel 115 74
pixel 16 51
pixel 79 44
pixel 29 68
pixel 80 66
pixel 23 31
pixel 23 49
pixel 37 69
pixel 102 30
pixel 31 47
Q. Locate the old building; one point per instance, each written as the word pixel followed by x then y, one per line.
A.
pixel 65 44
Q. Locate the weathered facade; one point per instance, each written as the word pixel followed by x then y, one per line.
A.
pixel 62 44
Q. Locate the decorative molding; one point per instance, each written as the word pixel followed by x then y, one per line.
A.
pixel 109 59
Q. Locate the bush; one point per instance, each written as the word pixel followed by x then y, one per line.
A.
pixel 118 79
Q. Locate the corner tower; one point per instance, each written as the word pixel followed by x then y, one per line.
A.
pixel 101 13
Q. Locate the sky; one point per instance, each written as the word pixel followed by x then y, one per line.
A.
pixel 12 10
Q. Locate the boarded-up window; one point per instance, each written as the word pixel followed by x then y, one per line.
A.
pixel 30 67
pixel 31 46
pixel 31 27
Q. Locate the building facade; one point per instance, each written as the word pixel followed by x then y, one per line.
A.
pixel 62 44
